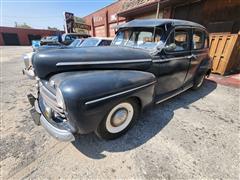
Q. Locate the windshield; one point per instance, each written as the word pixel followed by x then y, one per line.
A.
pixel 145 38
pixel 76 43
pixel 90 42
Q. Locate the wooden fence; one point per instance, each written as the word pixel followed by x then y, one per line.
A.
pixel 225 51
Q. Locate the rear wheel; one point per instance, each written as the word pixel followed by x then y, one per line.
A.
pixel 118 120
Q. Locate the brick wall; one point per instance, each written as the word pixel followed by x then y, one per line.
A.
pixel 104 20
pixel 23 33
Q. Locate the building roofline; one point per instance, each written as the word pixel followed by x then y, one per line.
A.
pixel 100 9
pixel 30 28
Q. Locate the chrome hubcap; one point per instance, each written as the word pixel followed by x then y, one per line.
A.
pixel 119 117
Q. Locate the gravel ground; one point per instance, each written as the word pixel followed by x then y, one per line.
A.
pixel 192 136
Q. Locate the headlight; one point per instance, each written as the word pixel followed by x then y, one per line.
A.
pixel 28 59
pixel 59 98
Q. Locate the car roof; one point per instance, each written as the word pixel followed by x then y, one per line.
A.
pixel 102 38
pixel 158 22
pixel 81 34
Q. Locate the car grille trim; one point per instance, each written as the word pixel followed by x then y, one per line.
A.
pixel 50 100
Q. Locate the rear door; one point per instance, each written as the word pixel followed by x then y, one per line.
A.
pixel 172 65
pixel 199 52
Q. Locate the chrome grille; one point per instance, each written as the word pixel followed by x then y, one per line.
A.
pixel 50 100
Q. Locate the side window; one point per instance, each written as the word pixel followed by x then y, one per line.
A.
pixel 144 37
pixel 105 43
pixel 206 43
pixel 198 39
pixel 180 37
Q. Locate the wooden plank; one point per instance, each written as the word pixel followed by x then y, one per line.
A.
pixel 221 48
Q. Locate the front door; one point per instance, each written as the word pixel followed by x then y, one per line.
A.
pixel 172 65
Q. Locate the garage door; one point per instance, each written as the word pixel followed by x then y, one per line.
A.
pixel 100 31
pixel 33 37
pixel 10 39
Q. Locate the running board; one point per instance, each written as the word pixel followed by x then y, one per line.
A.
pixel 177 93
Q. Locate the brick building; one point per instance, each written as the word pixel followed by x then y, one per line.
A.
pixel 216 15
pixel 22 36
pixel 220 17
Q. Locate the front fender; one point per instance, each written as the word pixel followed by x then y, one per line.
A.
pixel 89 95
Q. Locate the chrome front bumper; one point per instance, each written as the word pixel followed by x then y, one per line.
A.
pixel 60 132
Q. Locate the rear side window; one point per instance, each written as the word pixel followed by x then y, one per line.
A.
pixel 206 44
pixel 180 37
pixel 198 39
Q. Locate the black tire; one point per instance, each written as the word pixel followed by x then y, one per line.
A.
pixel 198 82
pixel 103 129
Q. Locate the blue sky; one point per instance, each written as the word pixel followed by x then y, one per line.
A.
pixel 44 13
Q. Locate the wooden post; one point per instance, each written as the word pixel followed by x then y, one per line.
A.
pixel 106 25
pixel 93 28
pixel 158 6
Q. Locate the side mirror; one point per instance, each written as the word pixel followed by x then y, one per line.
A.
pixel 170 47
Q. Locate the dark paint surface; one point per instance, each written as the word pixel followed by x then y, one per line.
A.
pixel 45 62
pixel 79 84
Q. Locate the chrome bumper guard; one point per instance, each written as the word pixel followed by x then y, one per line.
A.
pixel 29 72
pixel 60 134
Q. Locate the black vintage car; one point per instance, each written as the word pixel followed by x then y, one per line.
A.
pixel 104 89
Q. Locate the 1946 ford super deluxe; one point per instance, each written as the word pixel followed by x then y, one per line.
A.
pixel 104 89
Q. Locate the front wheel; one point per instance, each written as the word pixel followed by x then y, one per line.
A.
pixel 118 120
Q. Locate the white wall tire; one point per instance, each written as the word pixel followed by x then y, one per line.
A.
pixel 118 120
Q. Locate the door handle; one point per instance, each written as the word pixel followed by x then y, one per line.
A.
pixel 193 56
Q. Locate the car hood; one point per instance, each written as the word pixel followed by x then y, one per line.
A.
pixel 53 61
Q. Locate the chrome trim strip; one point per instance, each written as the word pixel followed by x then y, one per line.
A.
pixel 188 87
pixel 118 94
pixel 169 59
pixel 102 62
pixel 50 100
pixel 177 58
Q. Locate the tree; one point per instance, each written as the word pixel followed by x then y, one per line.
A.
pixel 24 25
pixel 79 19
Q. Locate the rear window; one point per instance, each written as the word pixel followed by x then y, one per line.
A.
pixel 200 40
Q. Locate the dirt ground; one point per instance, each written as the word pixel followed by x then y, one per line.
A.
pixel 192 136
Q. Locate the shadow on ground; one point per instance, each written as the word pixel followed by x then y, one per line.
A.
pixel 150 123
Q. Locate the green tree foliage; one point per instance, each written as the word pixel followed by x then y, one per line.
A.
pixel 79 19
pixel 53 28
pixel 24 25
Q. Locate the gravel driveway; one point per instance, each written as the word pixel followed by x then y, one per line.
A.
pixel 192 136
